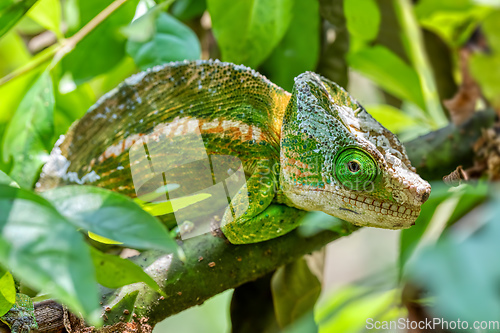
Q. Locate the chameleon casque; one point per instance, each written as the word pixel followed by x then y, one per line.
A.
pixel 325 151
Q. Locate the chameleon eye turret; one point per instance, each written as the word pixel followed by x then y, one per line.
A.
pixel 324 144
pixel 355 169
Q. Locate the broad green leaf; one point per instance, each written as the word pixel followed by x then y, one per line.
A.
pixel 111 215
pixel 363 18
pixel 102 48
pixel 298 51
pixel 103 240
pixel 43 249
pixel 295 291
pixel 47 13
pixel 29 135
pixel 188 9
pixel 11 12
pixel 170 41
pixel 115 272
pixel 7 291
pixel 247 31
pixel 389 72
pixel 6 180
pixel 392 118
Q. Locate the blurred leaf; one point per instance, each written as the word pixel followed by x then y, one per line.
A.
pixel 11 12
pixel 388 71
pixel 110 215
pixel 101 239
pixel 453 20
pixel 109 80
pixel 47 13
pixel 462 275
pixel 6 180
pixel 188 9
pixel 102 48
pixel 13 52
pixel 295 292
pixel 248 31
pixel 171 41
pixel 350 309
pixel 298 51
pixel 392 118
pixel 413 41
pixel 466 198
pixel 115 272
pixel 315 222
pixel 363 18
pixel 7 291
pixel 72 106
pixel 30 133
pixel 44 250
pixel 486 67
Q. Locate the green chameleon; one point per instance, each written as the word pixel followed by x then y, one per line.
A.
pixel 21 317
pixel 313 149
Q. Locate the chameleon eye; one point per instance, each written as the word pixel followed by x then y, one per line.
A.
pixel 354 168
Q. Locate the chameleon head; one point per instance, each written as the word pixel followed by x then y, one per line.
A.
pixel 337 159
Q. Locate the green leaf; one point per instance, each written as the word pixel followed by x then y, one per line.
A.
pixel 295 291
pixel 171 40
pixel 115 272
pixel 462 274
pixel 395 120
pixel 298 51
pixel 388 71
pixel 110 215
pixel 452 20
pixel 247 31
pixel 6 180
pixel 350 308
pixel 102 48
pixel 410 238
pixel 363 18
pixel 43 249
pixel 188 9
pixel 47 13
pixel 11 12
pixel 30 133
pixel 7 291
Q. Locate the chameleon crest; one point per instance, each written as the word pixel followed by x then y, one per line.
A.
pixel 336 158
pixel 315 149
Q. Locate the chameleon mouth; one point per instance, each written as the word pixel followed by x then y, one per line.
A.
pixel 379 207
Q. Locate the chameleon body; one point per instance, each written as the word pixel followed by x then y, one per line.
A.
pixel 21 317
pixel 313 149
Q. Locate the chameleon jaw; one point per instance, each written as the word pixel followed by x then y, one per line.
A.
pixel 359 209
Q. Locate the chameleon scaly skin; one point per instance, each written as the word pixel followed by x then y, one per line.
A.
pixel 21 317
pixel 315 149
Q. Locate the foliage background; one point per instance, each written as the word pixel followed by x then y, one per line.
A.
pixel 401 59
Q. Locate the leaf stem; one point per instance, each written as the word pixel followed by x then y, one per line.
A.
pixel 57 51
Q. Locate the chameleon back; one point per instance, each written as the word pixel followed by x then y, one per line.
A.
pixel 236 111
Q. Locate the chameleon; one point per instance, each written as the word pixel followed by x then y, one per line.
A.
pixel 314 149
pixel 21 317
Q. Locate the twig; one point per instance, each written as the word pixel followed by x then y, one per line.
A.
pixel 59 50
